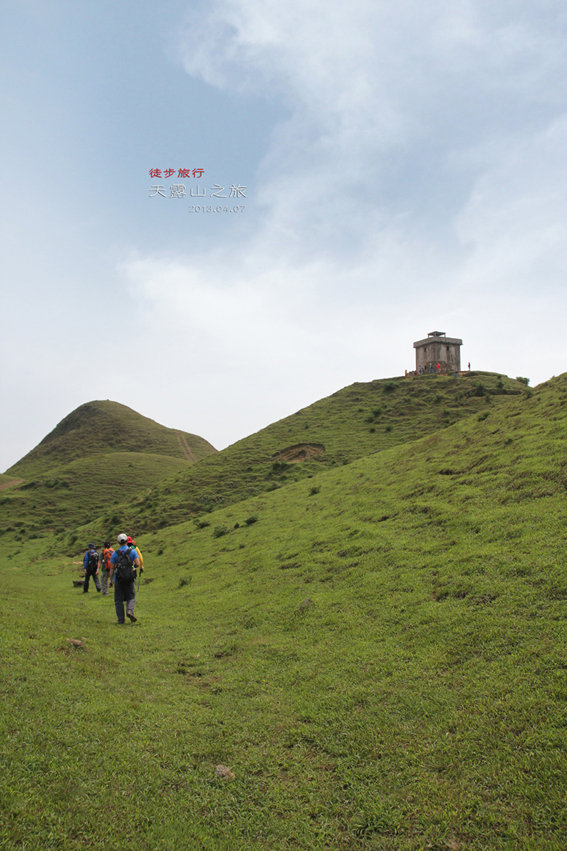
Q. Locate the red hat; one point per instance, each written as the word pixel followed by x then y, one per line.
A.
pixel 129 540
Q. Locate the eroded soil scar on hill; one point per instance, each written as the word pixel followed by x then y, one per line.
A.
pixel 12 483
pixel 300 452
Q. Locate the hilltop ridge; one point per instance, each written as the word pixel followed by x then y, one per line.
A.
pixel 103 426
pixel 358 420
pixel 99 456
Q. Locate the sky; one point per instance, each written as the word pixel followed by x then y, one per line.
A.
pixel 356 175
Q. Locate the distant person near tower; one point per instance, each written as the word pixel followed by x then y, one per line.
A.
pixel 90 563
pixel 123 564
pixel 105 567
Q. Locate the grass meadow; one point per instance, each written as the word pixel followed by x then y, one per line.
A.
pixel 375 656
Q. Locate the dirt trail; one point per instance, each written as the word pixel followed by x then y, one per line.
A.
pixel 11 484
pixel 185 448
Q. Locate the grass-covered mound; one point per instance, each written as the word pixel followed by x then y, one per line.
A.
pixel 101 427
pixel 376 656
pixel 101 455
pixel 359 420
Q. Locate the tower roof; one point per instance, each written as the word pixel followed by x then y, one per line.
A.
pixel 438 337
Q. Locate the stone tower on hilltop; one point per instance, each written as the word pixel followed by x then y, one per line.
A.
pixel 438 353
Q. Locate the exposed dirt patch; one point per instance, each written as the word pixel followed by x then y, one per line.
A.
pixel 300 452
pixel 12 483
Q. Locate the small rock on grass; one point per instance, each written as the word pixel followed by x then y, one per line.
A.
pixel 224 772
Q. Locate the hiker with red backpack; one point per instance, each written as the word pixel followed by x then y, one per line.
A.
pixel 105 567
pixel 90 564
pixel 123 564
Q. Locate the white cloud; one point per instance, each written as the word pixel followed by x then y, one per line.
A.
pixel 410 184
pixel 415 180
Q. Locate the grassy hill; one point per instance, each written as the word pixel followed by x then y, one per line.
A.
pixel 100 455
pixel 100 427
pixel 376 656
pixel 356 421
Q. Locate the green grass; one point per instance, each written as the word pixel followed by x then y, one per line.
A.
pixel 354 422
pixel 102 427
pixel 101 455
pixel 70 494
pixel 379 658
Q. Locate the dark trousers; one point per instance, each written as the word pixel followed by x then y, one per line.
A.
pixel 124 594
pixel 88 573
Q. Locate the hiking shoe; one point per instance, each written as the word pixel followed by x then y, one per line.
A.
pixel 132 617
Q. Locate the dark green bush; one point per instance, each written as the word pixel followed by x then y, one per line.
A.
pixel 219 531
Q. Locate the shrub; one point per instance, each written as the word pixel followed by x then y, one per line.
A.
pixel 523 380
pixel 279 466
pixel 252 519
pixel 314 490
pixel 219 531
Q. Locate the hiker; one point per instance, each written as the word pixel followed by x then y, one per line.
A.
pixel 90 563
pixel 122 575
pixel 133 545
pixel 105 567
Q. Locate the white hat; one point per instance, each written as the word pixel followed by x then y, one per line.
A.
pixel 122 538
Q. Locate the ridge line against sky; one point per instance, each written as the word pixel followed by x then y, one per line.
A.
pixel 401 169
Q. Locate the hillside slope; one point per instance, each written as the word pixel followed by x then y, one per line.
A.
pixel 73 493
pixel 101 455
pixel 359 420
pixel 376 657
pixel 105 426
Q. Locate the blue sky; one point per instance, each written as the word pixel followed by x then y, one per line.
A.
pixel 404 169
